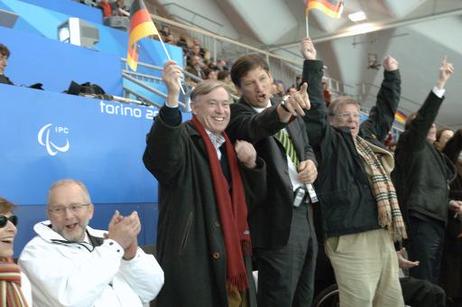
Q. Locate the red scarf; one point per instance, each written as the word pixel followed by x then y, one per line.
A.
pixel 232 210
pixel 10 284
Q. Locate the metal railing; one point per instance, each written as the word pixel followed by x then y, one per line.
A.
pixel 142 80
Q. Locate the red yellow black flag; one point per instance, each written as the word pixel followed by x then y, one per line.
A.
pixel 332 8
pixel 141 26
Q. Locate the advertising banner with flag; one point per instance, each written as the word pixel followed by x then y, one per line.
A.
pixel 141 26
pixel 332 8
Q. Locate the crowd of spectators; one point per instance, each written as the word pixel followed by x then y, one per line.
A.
pixel 368 203
pixel 116 8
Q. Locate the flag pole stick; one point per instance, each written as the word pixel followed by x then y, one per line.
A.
pixel 307 27
pixel 169 58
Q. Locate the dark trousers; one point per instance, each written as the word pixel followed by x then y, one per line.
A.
pixel 286 275
pixel 426 237
pixel 422 293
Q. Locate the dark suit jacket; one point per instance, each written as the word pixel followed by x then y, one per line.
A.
pixel 422 174
pixel 270 221
pixel 190 244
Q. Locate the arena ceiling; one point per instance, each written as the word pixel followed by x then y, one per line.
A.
pixel 418 33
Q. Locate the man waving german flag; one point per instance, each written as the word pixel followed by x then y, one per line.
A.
pixel 141 26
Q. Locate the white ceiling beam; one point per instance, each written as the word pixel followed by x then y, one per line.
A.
pixel 373 27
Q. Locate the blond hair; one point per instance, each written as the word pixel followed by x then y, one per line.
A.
pixel 6 206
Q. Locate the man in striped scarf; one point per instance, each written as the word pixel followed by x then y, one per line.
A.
pixel 358 203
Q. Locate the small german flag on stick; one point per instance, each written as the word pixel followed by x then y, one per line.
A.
pixel 141 26
pixel 332 8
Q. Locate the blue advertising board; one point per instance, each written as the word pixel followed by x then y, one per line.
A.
pixel 47 136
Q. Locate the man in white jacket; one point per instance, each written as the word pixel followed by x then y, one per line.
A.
pixel 71 264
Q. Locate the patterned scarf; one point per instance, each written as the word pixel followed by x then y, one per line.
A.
pixel 10 284
pixel 231 208
pixel 384 192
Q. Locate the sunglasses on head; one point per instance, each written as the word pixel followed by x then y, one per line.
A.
pixel 4 220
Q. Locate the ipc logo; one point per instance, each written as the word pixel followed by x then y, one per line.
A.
pixel 44 138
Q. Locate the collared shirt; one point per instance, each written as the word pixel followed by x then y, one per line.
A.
pixel 438 92
pixel 293 172
pixel 217 140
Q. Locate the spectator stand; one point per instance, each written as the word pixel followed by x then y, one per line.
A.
pixel 106 138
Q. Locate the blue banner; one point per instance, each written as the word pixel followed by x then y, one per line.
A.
pixel 48 136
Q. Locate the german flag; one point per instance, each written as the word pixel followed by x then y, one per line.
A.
pixel 400 117
pixel 332 8
pixel 141 26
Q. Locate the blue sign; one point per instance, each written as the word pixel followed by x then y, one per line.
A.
pixel 50 136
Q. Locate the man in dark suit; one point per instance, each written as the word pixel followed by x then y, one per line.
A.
pixel 281 228
pixel 422 176
pixel 203 240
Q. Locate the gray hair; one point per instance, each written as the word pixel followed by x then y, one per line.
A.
pixel 62 182
pixel 339 102
pixel 205 87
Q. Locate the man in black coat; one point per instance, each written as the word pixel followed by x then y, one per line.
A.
pixel 422 176
pixel 203 240
pixel 359 211
pixel 282 229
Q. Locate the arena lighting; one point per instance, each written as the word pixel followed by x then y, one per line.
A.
pixel 77 32
pixel 361 29
pixel 357 16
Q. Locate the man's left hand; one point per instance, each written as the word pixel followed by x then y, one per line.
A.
pixel 456 206
pixel 246 153
pixel 403 262
pixel 307 172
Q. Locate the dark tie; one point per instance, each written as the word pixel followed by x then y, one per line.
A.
pixel 224 164
pixel 283 137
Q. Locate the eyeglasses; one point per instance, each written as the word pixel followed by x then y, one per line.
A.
pixel 346 115
pixel 61 210
pixel 4 220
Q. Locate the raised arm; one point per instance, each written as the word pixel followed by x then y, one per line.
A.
pixel 381 116
pixel 164 150
pixel 316 117
pixel 249 126
pixel 416 133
